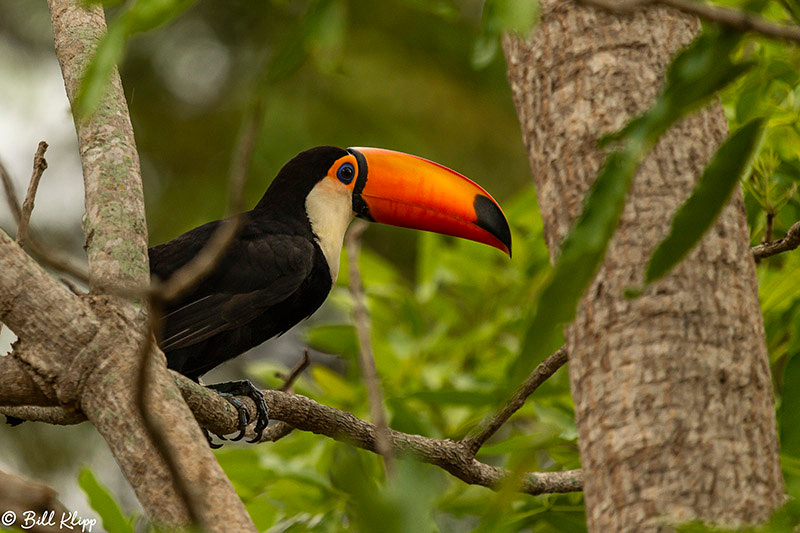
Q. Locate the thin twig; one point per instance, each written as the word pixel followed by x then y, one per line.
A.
pixel 788 242
pixel 367 359
pixel 281 429
pixel 733 18
pixel 46 255
pixel 298 369
pixel 480 434
pixel 39 166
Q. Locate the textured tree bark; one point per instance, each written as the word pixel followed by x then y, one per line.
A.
pixel 82 352
pixel 116 231
pixel 672 390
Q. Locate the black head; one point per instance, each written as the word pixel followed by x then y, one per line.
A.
pixel 297 177
pixel 328 185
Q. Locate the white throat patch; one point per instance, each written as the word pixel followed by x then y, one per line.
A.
pixel 329 207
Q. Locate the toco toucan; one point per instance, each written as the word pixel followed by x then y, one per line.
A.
pixel 285 259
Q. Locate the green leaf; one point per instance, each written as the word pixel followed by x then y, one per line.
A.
pixel 103 503
pixel 146 15
pixel 499 17
pixel 517 16
pixel 696 73
pixel 581 254
pixel 484 50
pixel 142 15
pixel 403 503
pixel 98 73
pixel 335 339
pixel 713 190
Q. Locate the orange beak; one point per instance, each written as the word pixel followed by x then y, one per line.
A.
pixel 411 192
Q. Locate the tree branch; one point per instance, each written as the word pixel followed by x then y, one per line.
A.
pixel 21 495
pixel 114 223
pixel 46 255
pixel 298 369
pixel 478 437
pixel 218 416
pixel 116 245
pixel 788 242
pixel 733 18
pixel 39 166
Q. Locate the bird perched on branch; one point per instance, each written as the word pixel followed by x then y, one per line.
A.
pixel 283 262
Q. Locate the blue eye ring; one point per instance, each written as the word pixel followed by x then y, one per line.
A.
pixel 346 173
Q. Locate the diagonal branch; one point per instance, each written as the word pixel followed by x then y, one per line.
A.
pixel 788 242
pixel 298 369
pixel 478 436
pixel 116 246
pixel 733 18
pixel 114 222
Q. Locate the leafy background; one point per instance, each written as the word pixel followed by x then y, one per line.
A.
pixel 450 318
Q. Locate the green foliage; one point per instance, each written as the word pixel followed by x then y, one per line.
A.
pixel 713 191
pixel 501 16
pixel 771 90
pixel 104 505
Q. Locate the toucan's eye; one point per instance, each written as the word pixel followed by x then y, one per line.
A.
pixel 346 173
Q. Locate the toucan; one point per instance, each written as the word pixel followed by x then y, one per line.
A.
pixel 285 258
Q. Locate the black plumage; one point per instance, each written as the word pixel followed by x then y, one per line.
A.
pixel 273 275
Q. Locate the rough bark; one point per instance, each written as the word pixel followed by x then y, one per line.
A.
pixel 114 223
pixel 81 352
pixel 672 390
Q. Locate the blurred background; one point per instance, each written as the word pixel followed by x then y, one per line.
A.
pixel 420 76
pixel 415 76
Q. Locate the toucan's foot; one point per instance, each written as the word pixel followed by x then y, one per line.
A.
pixel 210 440
pixel 230 390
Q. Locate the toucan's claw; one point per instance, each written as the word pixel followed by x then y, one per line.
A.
pixel 210 440
pixel 230 390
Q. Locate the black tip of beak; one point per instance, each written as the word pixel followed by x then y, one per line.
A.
pixel 491 218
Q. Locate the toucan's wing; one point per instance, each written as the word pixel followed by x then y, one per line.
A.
pixel 257 272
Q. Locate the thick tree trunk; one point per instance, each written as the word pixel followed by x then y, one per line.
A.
pixel 672 390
